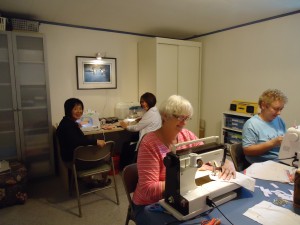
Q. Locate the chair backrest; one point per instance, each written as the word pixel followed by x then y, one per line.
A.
pixel 90 161
pixel 238 157
pixel 92 153
pixel 130 180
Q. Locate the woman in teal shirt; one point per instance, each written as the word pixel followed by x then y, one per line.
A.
pixel 263 133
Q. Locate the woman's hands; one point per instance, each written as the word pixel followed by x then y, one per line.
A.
pixel 277 141
pixel 100 143
pixel 123 124
pixel 228 171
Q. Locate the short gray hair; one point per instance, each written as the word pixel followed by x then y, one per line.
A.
pixel 176 105
pixel 272 95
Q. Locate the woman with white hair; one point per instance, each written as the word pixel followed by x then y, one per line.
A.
pixel 175 112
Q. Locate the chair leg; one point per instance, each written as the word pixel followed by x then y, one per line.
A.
pixel 77 193
pixel 128 215
pixel 127 218
pixel 70 182
pixel 115 185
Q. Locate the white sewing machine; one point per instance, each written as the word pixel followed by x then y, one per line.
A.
pixel 89 122
pixel 187 188
pixel 289 151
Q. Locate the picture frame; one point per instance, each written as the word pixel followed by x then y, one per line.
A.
pixel 96 74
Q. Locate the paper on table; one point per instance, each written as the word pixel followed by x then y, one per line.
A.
pixel 269 170
pixel 268 213
pixel 241 179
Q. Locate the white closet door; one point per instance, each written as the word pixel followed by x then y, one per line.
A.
pixel 166 71
pixel 188 81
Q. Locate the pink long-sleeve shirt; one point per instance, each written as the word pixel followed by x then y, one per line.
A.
pixel 151 169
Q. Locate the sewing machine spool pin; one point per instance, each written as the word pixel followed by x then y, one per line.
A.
pixel 195 160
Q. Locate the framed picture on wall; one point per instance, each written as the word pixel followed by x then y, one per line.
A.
pixel 96 74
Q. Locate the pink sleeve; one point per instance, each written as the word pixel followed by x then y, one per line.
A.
pixel 151 172
pixel 186 135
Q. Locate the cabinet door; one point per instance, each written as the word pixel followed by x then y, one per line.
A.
pixel 168 67
pixel 9 135
pixel 32 96
pixel 167 70
pixel 188 81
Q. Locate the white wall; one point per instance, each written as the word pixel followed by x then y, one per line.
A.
pixel 64 43
pixel 242 63
pixel 236 64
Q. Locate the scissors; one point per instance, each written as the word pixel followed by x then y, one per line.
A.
pixel 157 208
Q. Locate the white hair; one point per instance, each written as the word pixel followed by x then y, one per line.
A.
pixel 176 105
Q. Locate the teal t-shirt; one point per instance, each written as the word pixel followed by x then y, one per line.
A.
pixel 257 131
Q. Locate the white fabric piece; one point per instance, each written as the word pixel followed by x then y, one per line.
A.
pixel 269 214
pixel 274 185
pixel 241 179
pixel 266 191
pixel 270 170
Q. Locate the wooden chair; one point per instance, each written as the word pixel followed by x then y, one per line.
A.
pixel 238 157
pixel 92 160
pixel 130 180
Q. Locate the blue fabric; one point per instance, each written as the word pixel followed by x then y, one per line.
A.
pixel 256 131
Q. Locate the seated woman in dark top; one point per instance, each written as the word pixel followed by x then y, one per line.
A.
pixel 70 135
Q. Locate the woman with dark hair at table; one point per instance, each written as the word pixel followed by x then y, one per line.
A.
pixel 70 135
pixel 150 121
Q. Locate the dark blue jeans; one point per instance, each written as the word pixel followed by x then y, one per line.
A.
pixel 144 216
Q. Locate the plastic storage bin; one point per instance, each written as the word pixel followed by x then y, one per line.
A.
pixel 235 122
pixel 28 25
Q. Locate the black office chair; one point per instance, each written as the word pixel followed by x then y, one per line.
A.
pixel 238 157
pixel 92 160
pixel 130 180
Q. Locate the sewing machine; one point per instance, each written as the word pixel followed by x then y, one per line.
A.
pixel 186 188
pixel 289 151
pixel 89 122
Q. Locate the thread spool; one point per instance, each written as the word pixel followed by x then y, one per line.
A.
pixel 297 189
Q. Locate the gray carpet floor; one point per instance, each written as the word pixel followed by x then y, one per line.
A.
pixel 50 204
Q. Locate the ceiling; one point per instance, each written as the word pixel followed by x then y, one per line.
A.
pixel 180 19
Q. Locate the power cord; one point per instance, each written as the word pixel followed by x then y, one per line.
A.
pixel 295 157
pixel 210 203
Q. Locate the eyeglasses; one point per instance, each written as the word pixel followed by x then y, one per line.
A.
pixel 182 118
pixel 276 109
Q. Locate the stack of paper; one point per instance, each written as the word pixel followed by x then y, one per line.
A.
pixel 268 213
pixel 270 170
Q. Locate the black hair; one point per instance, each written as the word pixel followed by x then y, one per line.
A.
pixel 70 104
pixel 149 98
